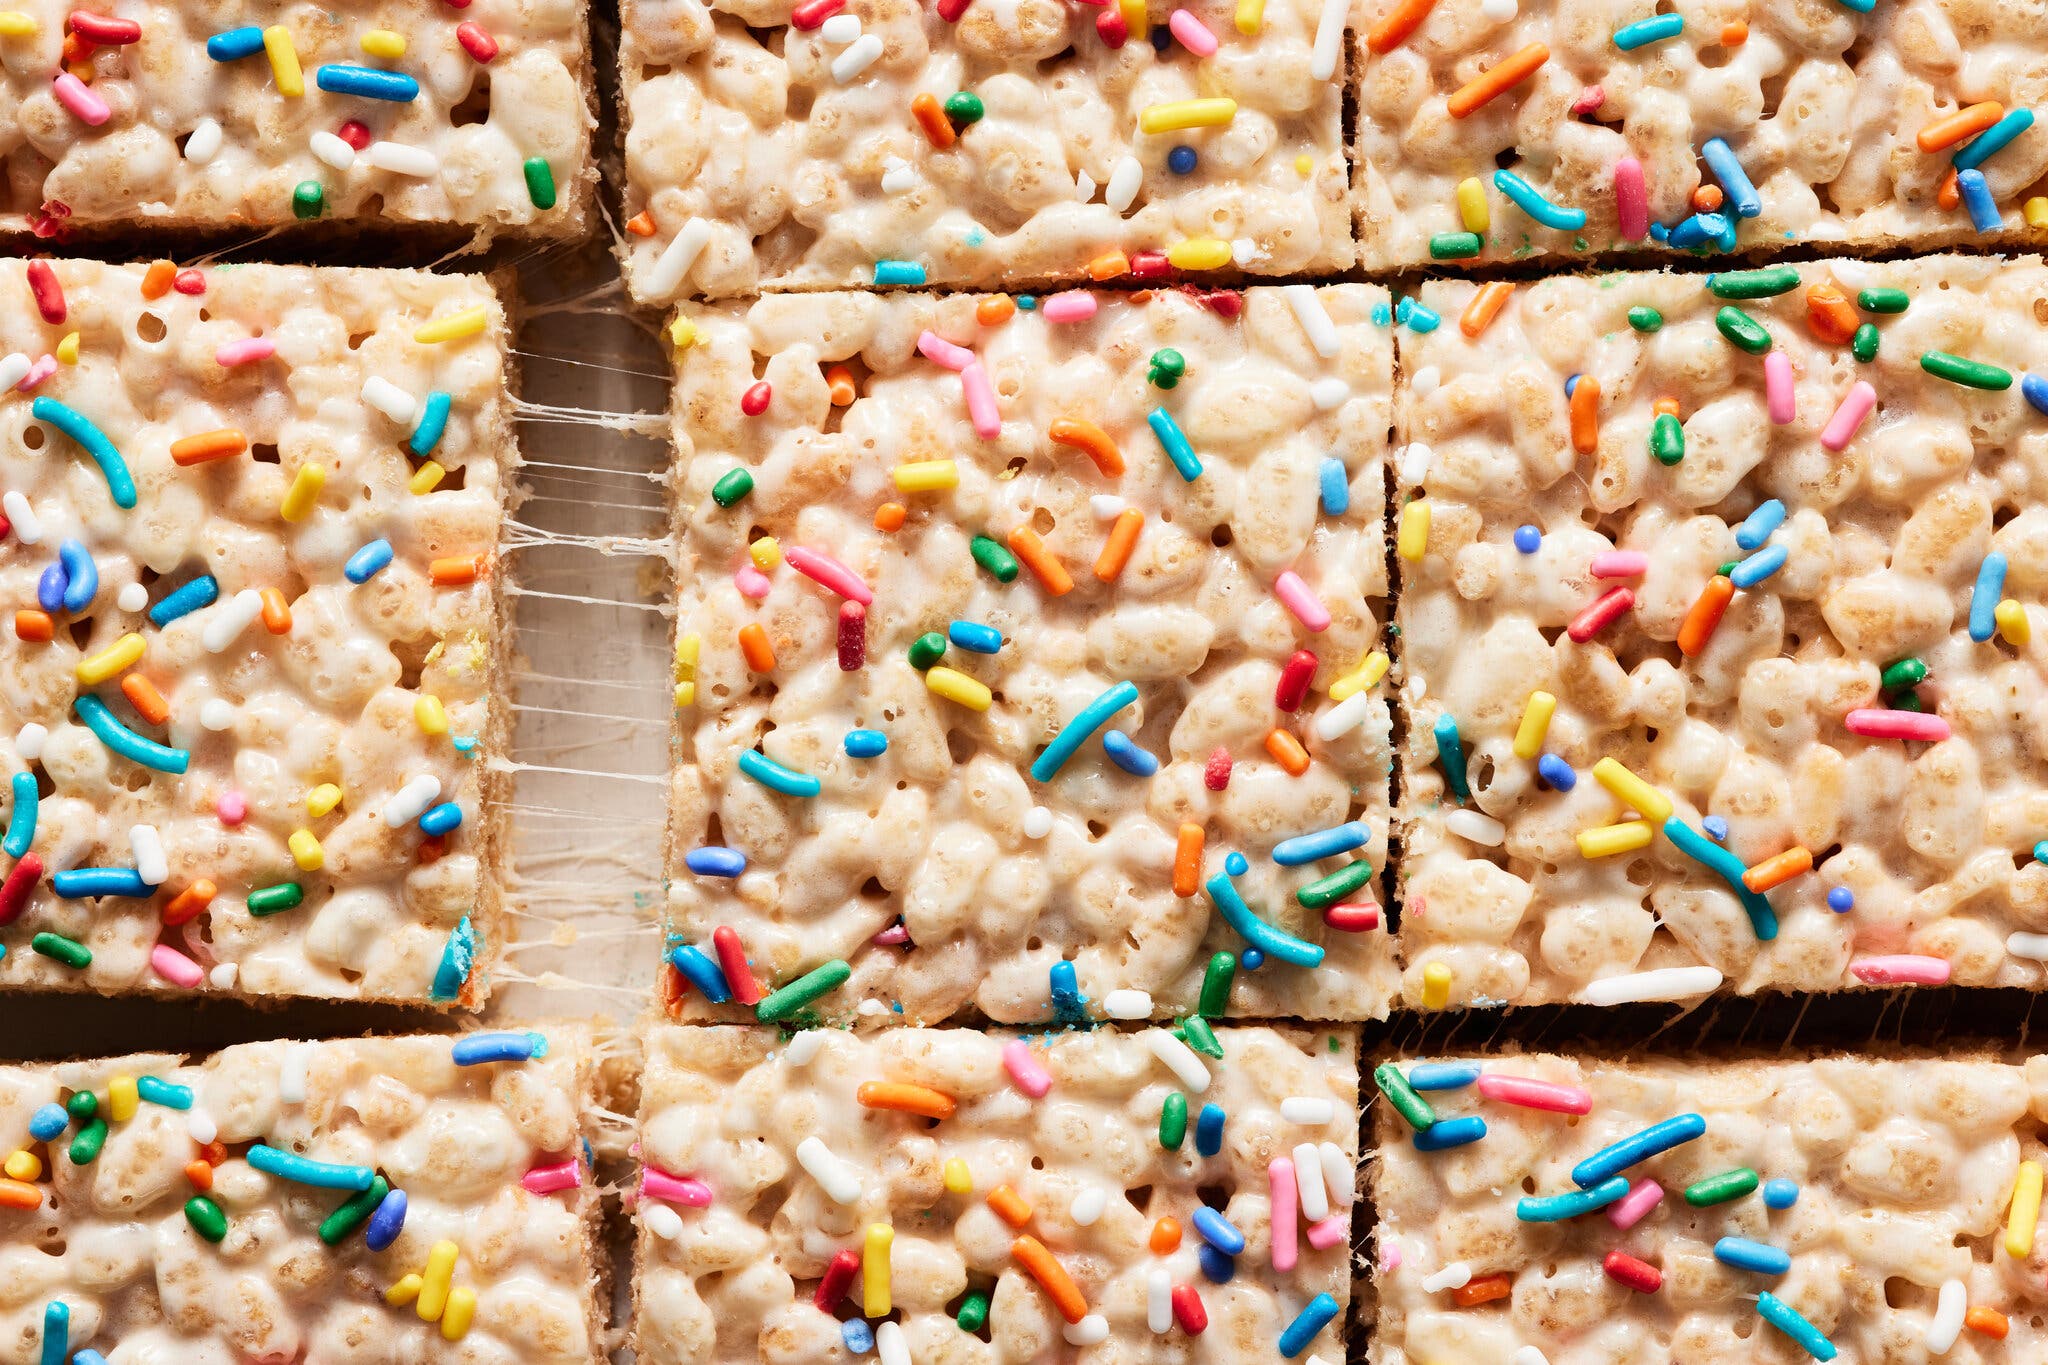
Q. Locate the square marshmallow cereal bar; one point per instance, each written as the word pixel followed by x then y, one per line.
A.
pixel 250 657
pixel 1008 634
pixel 1717 610
pixel 979 142
pixel 375 1201
pixel 200 114
pixel 945 1195
pixel 1499 131
pixel 1580 1212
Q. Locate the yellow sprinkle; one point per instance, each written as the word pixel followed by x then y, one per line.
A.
pixel 1199 253
pixel 1535 725
pixel 304 492
pixel 687 650
pixel 1414 535
pixel 1304 164
pixel 284 61
pixel 82 70
pixel 2026 1211
pixel 455 326
pixel 1472 205
pixel 1250 14
pixel 1134 18
pixel 455 1317
pixel 1174 115
pixel 67 349
pixel 686 694
pixel 15 24
pixel 23 1165
pixel 874 1271
pixel 1632 791
pixel 926 476
pixel 766 553
pixel 306 850
pixel 2035 211
pixel 116 659
pixel 426 478
pixel 122 1098
pixel 956 686
pixel 404 1291
pixel 1605 841
pixel 434 1281
pixel 431 716
pixel 2012 623
pixel 682 333
pixel 323 798
pixel 959 1180
pixel 1436 986
pixel 382 42
pixel 1369 671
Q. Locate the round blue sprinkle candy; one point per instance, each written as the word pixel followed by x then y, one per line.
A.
pixel 1528 539
pixel 1780 1193
pixel 2041 851
pixel 714 860
pixel 1236 864
pixel 1571 381
pixel 1251 959
pixel 1841 899
pixel 858 1336
pixel 1716 828
pixel 1556 772
pixel 1181 160
pixel 48 1122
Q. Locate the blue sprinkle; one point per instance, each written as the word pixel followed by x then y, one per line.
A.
pixel 202 591
pixel 1716 828
pixel 858 1336
pixel 701 972
pixel 1756 528
pixel 1990 586
pixel 974 636
pixel 2035 390
pixel 1216 1266
pixel 458 958
pixel 88 1356
pixel 866 743
pixel 1181 160
pixel 235 44
pixel 1381 315
pixel 1616 1157
pixel 1531 201
pixel 1323 843
pixel 1067 1001
pixel 1175 443
pixel 50 588
pixel 1758 566
pixel 368 82
pixel 322 1175
pixel 1976 196
pixel 1321 1310
pixel 1700 229
pixel 433 422
pixel 1336 489
pixel 775 777
pixel 713 860
pixel 1557 773
pixel 1251 959
pixel 1780 1193
pixel 904 272
pixel 1236 864
pixel 1162 37
pixel 56 1332
pixel 1528 539
pixel 1209 1130
pixel 1027 302
pixel 1841 899
pixel 84 883
pixel 21 820
pixel 1125 753
pixel 1660 234
pixel 499 1047
pixel 1643 32
pixel 94 442
pixel 1442 1075
pixel 1978 149
pixel 1447 1133
pixel 442 819
pixel 387 1222
pixel 1571 381
pixel 1743 199
pixel 47 1122
pixel 1744 1254
pixel 156 1090
pixel 1217 1231
pixel 368 562
pixel 1420 319
pixel 82 575
pixel 1556 1208
pixel 1770 1307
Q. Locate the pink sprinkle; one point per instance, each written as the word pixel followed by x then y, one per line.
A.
pixel 174 967
pixel 1026 1070
pixel 656 1183
pixel 232 808
pixel 1390 1253
pixel 1589 99
pixel 752 583
pixel 1620 564
pixel 1631 200
pixel 37 373
pixel 1904 969
pixel 1283 1215
pixel 1778 395
pixel 548 1179
pixel 194 281
pixel 1076 305
pixel 1328 1232
pixel 1856 406
pixel 1605 610
pixel 981 401
pixel 1299 598
pixel 1875 722
pixel 1194 35
pixel 1528 1094
pixel 940 351
pixel 1628 1210
pixel 80 98
pixel 244 352
pixel 829 572
pixel 893 935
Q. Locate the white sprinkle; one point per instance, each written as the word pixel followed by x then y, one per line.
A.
pixel 230 619
pixel 1427 380
pixel 291 1074
pixel 2033 946
pixel 1344 717
pixel 1476 826
pixel 804 1047
pixel 1127 1004
pixel 1322 61
pixel 29 741
pixel 1338 1177
pixel 410 801
pixel 1308 1176
pixel 1666 983
pixel 401 158
pixel 332 150
pixel 833 1175
pixel 897 176
pixel 1088 1331
pixel 676 258
pixel 1456 1275
pixel 1126 178
pixel 1159 1299
pixel 1084 187
pixel 14 368
pixel 1309 1109
pixel 1037 822
pixel 840 29
pixel 387 398
pixel 148 847
pixel 1949 1308
pixel 27 528
pixel 1328 393
pixel 661 1220
pixel 1415 464
pixel 1530 1355
pixel 132 597
pixel 1244 251
pixel 1088 1206
pixel 1314 318
pixel 217 714
pixel 1498 11
pixel 1178 1058
pixel 1106 506
pixel 1853 275
pixel 222 978
pixel 857 58
pixel 204 142
pixel 200 1127
pixel 890 1347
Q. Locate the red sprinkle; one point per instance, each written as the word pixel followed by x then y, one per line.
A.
pixel 106 31
pixel 1111 28
pixel 1640 1276
pixel 1150 265
pixel 754 401
pixel 1295 676
pixel 1609 607
pixel 1591 98
pixel 853 636
pixel 1188 1310
pixel 78 48
pixel 475 41
pixel 812 13
pixel 732 960
pixel 189 282
pixel 355 133
pixel 14 892
pixel 42 282
pixel 5 526
pixel 1216 772
pixel 1224 303
pixel 951 10
pixel 839 1274
pixel 48 219
pixel 1352 919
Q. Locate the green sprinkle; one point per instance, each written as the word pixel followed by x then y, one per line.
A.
pixel 540 182
pixel 1402 1096
pixel 308 199
pixel 1216 981
pixel 1973 374
pixel 269 900
pixel 1644 318
pixel 1724 570
pixel 1327 891
pixel 1753 284
pixel 1882 300
pixel 1167 367
pixel 1864 344
pixel 82 1105
pixel 999 562
pixel 1454 246
pixel 87 1141
pixel 1908 701
pixel 732 485
pixel 1196 1033
pixel 1906 672
pixel 206 1218
pixel 68 951
pixel 1667 439
pixel 352 1215
pixel 1742 329
pixel 963 109
pixel 802 991
pixel 926 650
pixel 1719 1189
pixel 973 1312
pixel 1173 1121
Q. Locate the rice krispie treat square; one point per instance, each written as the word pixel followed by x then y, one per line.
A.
pixel 1009 143
pixel 946 1195
pixel 1576 1212
pixel 200 114
pixel 248 687
pixel 375 1200
pixel 1027 656
pixel 1499 131
pixel 1717 614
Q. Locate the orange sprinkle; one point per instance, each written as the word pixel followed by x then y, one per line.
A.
pixel 1734 33
pixel 1664 405
pixel 641 224
pixel 1165 1237
pixel 1009 1206
pixel 213 1153
pixel 1091 441
pixel 1967 122
pixel 905 1099
pixel 754 647
pixel 1704 615
pixel 277 613
pixel 1989 1321
pixel 1485 305
pixel 1585 408
pixel 78 49
pixel 189 903
pixel 1187 860
pixel 1404 19
pixel 1052 575
pixel 19 1194
pixel 1950 193
pixel 1485 1289
pixel 1830 314
pixel 1477 92
pixel 147 701
pixel 156 281
pixel 1778 869
pixel 889 516
pixel 208 445
pixel 455 571
pixel 34 625
pixel 931 116
pixel 1109 265
pixel 1051 1276
pixel 1287 751
pixel 200 1175
pixel 1707 198
pixel 840 380
pixel 1123 538
pixel 995 310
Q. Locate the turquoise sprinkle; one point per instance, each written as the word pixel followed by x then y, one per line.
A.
pixel 1719 860
pixel 21 822
pixel 1980 148
pixel 775 777
pixel 457 960
pixel 156 1090
pixel 1535 205
pixel 324 1175
pixel 97 718
pixel 898 272
pixel 1788 1319
pixel 1655 29
pixel 1273 942
pixel 433 422
pixel 1075 732
pixel 1450 752
pixel 94 442
pixel 1176 444
pixel 1556 1208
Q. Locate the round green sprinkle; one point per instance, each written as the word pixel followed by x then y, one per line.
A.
pixel 82 1105
pixel 1864 344
pixel 1667 439
pixel 1882 300
pixel 1196 1033
pixel 973 1311
pixel 1908 672
pixel 1753 284
pixel 308 199
pixel 1973 374
pixel 540 182
pixel 1454 246
pixel 1222 970
pixel 999 562
pixel 926 650
pixel 1167 367
pixel 1402 1096
pixel 352 1215
pixel 1327 891
pixel 1173 1121
pixel 68 951
pixel 963 108
pixel 1719 1189
pixel 732 485
pixel 87 1141
pixel 269 900
pixel 802 991
pixel 1908 701
pixel 1644 318
pixel 206 1218
pixel 1742 329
